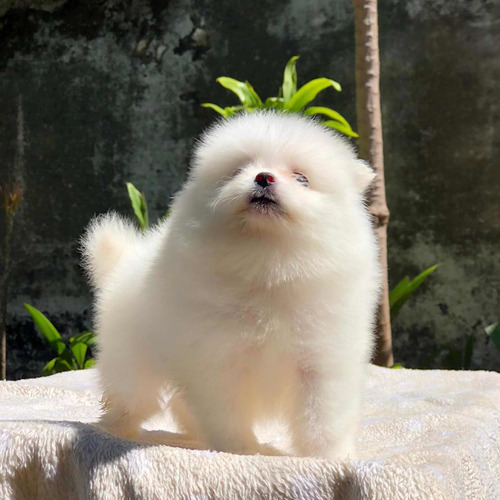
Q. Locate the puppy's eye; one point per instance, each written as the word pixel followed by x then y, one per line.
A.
pixel 301 178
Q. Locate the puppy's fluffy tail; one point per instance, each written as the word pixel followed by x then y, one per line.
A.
pixel 106 241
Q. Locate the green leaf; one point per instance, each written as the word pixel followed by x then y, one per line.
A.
pixel 340 127
pixel 493 331
pixel 56 365
pixel 405 288
pixel 394 310
pixel 225 112
pixel 47 329
pixel 399 291
pixel 274 103
pixel 397 366
pixel 289 87
pixel 308 92
pixel 469 346
pixel 87 338
pixel 48 369
pixel 60 347
pixel 67 357
pixel 339 122
pixel 79 349
pixel 89 364
pixel 139 205
pixel 216 108
pixel 416 282
pixel 453 360
pixel 321 110
pixel 245 92
pixel 61 365
pixel 232 110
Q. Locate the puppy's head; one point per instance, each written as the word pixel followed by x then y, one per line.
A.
pixel 276 173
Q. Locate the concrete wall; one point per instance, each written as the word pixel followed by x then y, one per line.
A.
pixel 110 92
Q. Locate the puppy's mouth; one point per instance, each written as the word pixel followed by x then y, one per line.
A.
pixel 263 200
pixel 264 203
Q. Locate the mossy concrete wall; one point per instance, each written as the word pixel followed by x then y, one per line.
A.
pixel 109 92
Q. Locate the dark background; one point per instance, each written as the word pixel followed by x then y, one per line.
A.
pixel 110 92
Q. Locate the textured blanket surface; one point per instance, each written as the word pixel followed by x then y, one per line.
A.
pixel 425 435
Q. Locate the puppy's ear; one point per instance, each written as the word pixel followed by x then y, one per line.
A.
pixel 363 175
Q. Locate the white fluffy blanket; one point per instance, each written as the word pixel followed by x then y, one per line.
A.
pixel 426 435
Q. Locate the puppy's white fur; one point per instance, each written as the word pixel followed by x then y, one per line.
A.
pixel 248 311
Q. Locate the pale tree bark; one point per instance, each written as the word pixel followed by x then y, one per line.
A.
pixel 369 123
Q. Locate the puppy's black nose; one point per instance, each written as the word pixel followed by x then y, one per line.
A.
pixel 264 179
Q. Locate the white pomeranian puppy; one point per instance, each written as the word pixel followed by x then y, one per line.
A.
pixel 254 300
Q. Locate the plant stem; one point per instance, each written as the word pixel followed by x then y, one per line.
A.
pixel 371 148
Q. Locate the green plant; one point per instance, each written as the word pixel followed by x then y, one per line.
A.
pixel 138 202
pixel 459 359
pixel 493 332
pixel 405 288
pixel 69 357
pixel 289 99
pixel 139 205
pixel 403 291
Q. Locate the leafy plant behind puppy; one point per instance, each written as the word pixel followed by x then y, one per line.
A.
pixel 289 100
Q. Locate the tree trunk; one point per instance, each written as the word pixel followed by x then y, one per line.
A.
pixel 4 295
pixel 11 197
pixel 369 122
